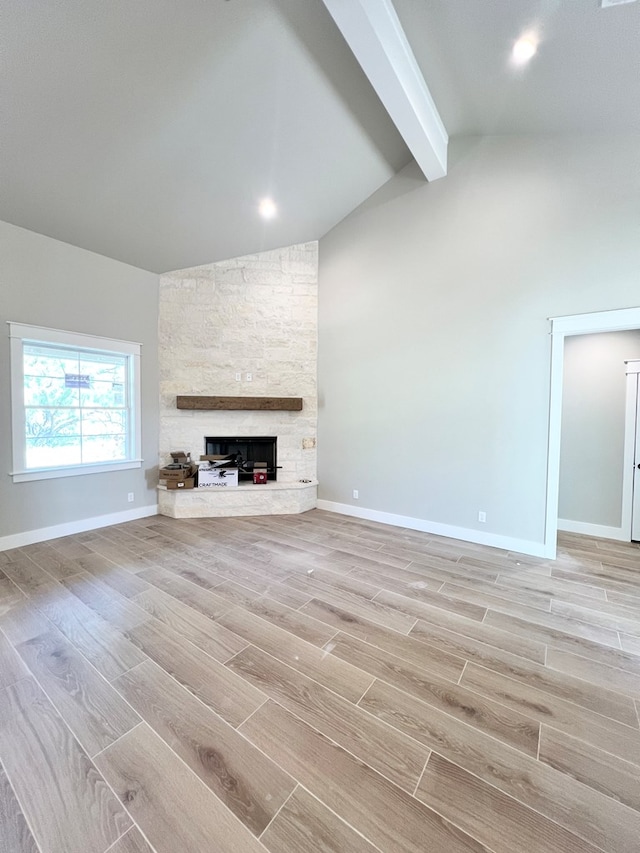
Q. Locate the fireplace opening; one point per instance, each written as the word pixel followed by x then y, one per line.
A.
pixel 247 452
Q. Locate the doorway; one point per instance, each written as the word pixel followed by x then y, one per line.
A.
pixel 561 328
pixel 594 461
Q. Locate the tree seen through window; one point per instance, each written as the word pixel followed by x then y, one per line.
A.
pixel 75 406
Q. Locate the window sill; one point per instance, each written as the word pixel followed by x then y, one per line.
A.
pixel 73 471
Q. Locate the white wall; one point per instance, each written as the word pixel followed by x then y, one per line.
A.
pixel 434 340
pixel 593 423
pixel 48 283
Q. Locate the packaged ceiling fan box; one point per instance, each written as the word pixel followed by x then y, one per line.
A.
pixel 211 476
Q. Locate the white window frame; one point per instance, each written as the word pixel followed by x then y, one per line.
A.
pixel 20 334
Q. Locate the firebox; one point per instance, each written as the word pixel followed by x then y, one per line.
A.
pixel 246 452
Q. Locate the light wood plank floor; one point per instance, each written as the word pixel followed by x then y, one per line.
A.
pixel 317 683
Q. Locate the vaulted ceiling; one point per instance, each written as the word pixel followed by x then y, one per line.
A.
pixel 148 131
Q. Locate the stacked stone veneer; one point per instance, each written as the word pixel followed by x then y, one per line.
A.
pixel 256 314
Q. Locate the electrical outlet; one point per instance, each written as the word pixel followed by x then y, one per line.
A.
pixel 482 516
pixel 249 377
pixel 356 494
pixel 238 377
pixel 130 497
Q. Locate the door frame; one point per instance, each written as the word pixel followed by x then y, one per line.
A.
pixel 630 438
pixel 618 320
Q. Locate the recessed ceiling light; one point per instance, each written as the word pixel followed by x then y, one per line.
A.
pixel 267 208
pixel 524 49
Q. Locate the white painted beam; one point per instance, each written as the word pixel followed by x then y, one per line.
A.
pixel 374 33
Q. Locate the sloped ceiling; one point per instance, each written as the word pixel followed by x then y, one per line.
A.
pixel 585 77
pixel 147 130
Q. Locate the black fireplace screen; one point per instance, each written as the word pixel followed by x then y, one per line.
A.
pixel 245 452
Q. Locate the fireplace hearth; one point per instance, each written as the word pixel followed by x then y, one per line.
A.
pixel 247 452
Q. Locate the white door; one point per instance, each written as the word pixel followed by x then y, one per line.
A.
pixel 635 506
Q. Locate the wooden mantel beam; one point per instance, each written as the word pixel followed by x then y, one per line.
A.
pixel 267 404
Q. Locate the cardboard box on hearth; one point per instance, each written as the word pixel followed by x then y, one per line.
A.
pixel 211 477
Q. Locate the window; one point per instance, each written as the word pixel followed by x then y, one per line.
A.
pixel 75 403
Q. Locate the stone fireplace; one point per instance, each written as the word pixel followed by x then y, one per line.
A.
pixel 243 328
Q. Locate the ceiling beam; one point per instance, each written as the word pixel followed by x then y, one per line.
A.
pixel 374 33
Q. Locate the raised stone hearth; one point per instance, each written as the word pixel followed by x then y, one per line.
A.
pixel 253 317
pixel 266 499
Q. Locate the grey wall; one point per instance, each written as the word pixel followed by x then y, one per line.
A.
pixel 593 424
pixel 434 350
pixel 47 283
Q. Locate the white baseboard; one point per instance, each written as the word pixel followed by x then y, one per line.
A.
pixel 602 531
pixel 29 537
pixel 466 534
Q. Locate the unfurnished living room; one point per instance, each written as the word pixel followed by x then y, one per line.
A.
pixel 320 426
